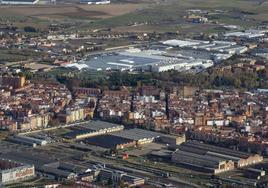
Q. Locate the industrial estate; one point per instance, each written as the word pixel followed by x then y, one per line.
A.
pixel 145 94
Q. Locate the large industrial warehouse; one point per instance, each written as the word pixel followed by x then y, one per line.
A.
pixel 224 47
pixel 95 2
pixel 241 159
pixel 139 135
pixel 212 158
pixel 205 163
pixel 110 142
pixel 11 171
pixel 143 60
pixel 18 2
pixel 93 128
pixel 29 141
pixel 175 54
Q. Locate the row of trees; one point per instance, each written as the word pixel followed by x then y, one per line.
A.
pixel 208 79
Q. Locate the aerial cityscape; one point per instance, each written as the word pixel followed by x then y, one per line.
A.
pixel 133 93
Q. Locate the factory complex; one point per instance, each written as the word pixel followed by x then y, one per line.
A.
pixel 180 55
pixel 95 2
pixel 48 167
pixel 113 136
pixel 143 60
pixel 18 2
pixel 211 158
pixel 221 49
pixel 103 138
pixel 247 34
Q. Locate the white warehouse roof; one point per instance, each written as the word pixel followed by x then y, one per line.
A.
pixel 183 43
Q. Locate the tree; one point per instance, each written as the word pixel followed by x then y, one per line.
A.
pixel 237 83
pixel 54 122
pixel 30 29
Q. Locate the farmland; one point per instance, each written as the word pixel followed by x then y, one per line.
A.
pixel 41 16
pixel 169 16
pixel 69 11
pixel 138 16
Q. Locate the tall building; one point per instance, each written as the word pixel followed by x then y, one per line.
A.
pixel 15 82
pixel 167 104
pixel 72 115
pixel 12 171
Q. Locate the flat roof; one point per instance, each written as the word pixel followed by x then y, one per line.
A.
pixel 201 160
pixel 118 61
pixel 94 1
pixel 184 43
pixel 107 141
pixel 98 125
pixel 18 1
pixel 57 172
pixel 216 149
pixel 129 59
pixel 91 127
pixel 77 132
pixel 137 134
